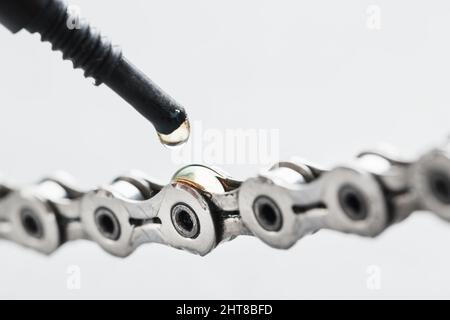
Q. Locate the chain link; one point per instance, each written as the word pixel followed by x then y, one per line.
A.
pixel 202 207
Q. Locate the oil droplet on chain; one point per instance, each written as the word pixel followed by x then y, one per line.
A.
pixel 177 137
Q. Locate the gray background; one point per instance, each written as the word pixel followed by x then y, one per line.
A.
pixel 309 68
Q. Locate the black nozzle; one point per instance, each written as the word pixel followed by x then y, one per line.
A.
pixel 94 53
pixel 17 14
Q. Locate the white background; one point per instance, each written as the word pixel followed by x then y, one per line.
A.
pixel 312 69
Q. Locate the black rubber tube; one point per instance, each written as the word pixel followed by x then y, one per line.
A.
pixel 94 53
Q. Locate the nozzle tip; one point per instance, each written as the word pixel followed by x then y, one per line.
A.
pixel 178 137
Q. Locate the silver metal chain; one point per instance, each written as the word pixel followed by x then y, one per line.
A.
pixel 202 207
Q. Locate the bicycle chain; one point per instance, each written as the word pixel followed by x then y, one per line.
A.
pixel 202 207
